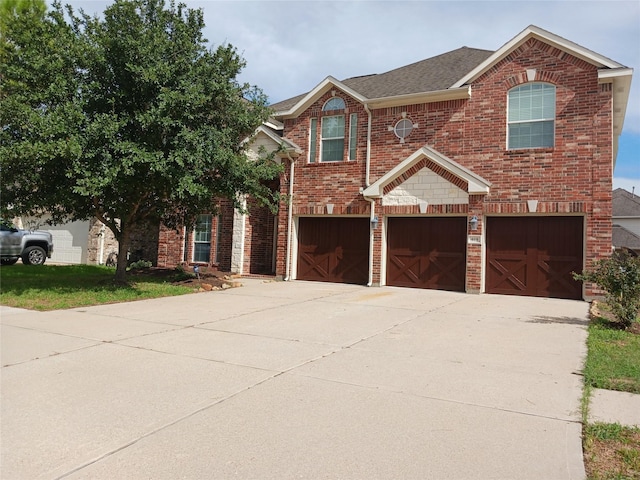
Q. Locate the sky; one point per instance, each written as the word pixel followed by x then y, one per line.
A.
pixel 291 46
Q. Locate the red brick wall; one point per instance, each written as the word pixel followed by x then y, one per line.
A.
pixel 171 242
pixel 574 176
pixel 317 184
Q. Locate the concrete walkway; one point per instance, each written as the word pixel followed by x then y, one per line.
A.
pixel 608 406
pixel 296 380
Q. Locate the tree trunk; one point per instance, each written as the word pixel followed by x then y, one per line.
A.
pixel 123 250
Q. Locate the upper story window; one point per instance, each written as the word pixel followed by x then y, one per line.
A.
pixel 332 138
pixel 333 132
pixel 531 116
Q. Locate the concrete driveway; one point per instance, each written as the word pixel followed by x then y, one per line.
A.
pixel 296 380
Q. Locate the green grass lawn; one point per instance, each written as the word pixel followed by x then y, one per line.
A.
pixel 53 287
pixel 613 361
pixel 611 451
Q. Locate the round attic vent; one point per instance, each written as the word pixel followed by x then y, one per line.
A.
pixel 403 128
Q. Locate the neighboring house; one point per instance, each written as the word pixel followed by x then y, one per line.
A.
pixel 626 220
pixel 472 171
pixel 79 242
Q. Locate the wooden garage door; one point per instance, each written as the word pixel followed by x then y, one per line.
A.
pixel 427 253
pixel 333 250
pixel 534 256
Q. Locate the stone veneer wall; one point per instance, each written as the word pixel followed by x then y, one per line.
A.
pixel 98 230
pixel 426 185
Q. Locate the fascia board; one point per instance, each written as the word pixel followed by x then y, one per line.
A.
pixel 547 37
pixel 275 124
pixel 461 93
pixel 476 184
pixel 313 95
pixel 289 146
pixel 605 75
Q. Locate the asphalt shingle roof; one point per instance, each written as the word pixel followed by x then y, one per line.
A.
pixel 432 74
pixel 625 238
pixel 625 204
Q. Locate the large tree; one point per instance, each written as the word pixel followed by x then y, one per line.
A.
pixel 128 117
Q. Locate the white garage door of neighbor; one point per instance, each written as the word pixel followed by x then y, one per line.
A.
pixel 64 250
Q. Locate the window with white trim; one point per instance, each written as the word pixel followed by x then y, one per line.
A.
pixel 313 140
pixel 332 146
pixel 202 239
pixel 531 116
pixel 334 103
pixel 353 135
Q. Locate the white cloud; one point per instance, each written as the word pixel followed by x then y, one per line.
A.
pixel 627 183
pixel 291 46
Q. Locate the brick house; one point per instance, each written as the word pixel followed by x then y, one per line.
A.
pixel 474 171
pixel 626 220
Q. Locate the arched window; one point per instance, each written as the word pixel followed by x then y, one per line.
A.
pixel 335 103
pixel 531 116
pixel 333 133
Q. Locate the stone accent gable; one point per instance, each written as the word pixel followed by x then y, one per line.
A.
pixel 428 186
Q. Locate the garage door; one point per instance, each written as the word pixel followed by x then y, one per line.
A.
pixel 333 250
pixel 534 256
pixel 427 253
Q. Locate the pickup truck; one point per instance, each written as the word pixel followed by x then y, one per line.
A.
pixel 33 246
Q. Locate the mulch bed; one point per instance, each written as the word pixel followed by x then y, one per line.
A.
pixel 208 279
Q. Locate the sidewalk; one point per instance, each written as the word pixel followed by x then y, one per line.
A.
pixel 609 406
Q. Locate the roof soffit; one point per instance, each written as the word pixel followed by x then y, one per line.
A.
pixel 476 184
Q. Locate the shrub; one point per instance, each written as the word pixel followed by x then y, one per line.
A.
pixel 182 273
pixel 140 264
pixel 619 276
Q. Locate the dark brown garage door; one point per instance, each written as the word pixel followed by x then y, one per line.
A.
pixel 427 253
pixel 534 256
pixel 333 250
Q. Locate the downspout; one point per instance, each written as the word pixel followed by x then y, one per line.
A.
pixel 370 200
pixel 368 160
pixel 289 219
pixel 101 235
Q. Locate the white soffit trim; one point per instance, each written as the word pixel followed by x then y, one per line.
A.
pixel 476 184
pixel 275 124
pixel 323 87
pixel 547 37
pixel 621 80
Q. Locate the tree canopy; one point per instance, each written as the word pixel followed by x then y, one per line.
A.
pixel 128 117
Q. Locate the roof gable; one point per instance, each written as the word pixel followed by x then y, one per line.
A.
pixel 444 77
pixel 475 184
pixel 264 136
pixel 532 31
pixel 305 101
